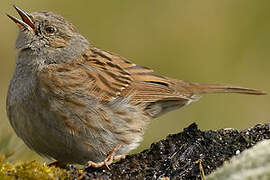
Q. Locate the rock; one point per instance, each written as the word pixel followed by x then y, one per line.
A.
pixel 253 163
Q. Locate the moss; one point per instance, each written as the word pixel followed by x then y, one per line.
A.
pixel 30 170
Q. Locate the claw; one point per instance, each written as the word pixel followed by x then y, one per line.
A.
pixel 108 160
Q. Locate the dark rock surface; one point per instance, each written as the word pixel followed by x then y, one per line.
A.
pixel 179 155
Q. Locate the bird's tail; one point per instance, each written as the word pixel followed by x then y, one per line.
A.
pixel 198 88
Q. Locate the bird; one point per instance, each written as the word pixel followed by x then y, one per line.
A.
pixel 77 104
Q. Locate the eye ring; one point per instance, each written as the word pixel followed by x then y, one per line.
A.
pixel 50 29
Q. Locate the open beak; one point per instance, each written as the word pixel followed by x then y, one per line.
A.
pixel 26 22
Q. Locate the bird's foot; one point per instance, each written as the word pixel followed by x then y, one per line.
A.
pixel 109 159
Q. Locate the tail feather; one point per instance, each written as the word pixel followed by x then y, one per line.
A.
pixel 198 88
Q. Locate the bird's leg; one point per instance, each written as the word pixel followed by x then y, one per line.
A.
pixel 109 159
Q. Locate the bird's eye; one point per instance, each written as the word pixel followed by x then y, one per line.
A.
pixel 50 29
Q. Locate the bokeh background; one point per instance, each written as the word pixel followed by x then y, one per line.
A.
pixel 223 41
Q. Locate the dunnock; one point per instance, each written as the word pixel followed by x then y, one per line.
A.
pixel 73 102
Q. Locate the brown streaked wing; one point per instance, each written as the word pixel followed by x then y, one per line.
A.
pixel 105 75
pixel 117 73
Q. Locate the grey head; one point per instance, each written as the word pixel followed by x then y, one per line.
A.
pixel 49 36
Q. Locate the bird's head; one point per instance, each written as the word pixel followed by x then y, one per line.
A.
pixel 46 32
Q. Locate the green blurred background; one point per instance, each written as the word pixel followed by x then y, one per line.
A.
pixel 223 41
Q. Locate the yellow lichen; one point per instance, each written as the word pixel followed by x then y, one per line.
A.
pixel 30 170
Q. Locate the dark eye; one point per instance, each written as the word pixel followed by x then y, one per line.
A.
pixel 50 29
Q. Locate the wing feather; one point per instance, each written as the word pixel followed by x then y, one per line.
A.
pixel 106 76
